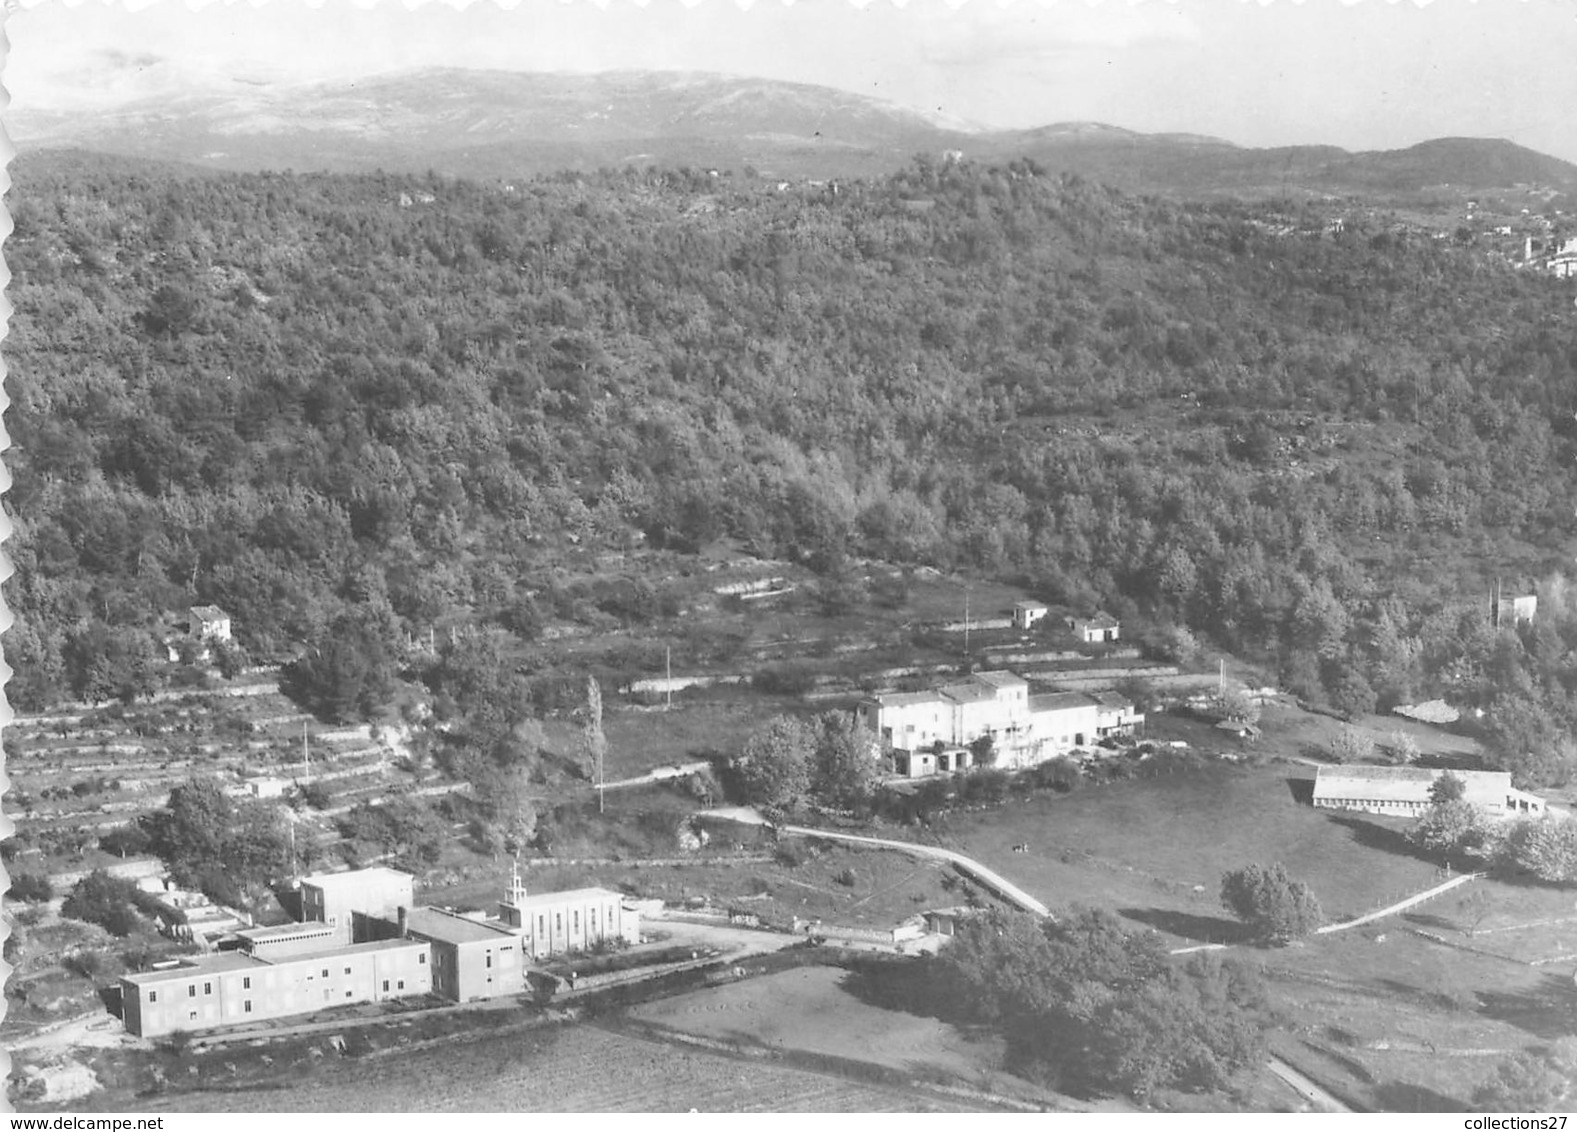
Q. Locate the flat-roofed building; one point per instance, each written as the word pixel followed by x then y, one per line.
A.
pixel 337 899
pixel 289 939
pixel 235 987
pixel 473 958
pixel 1115 715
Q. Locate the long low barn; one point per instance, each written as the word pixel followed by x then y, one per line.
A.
pixel 1404 790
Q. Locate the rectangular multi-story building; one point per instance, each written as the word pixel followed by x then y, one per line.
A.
pixel 235 987
pixel 472 958
pixel 933 731
pixel 336 899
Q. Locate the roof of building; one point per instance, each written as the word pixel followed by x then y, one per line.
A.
pixel 1101 620
pixel 1031 605
pixel 306 928
pixel 197 966
pixel 1113 700
pixel 451 927
pixel 351 949
pixel 1406 784
pixel 1001 679
pixel 210 613
pixel 568 896
pixel 970 693
pixel 907 699
pixel 1059 701
pixel 356 876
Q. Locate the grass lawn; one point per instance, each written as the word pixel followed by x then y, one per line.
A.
pixel 1403 1023
pixel 1156 848
pixel 499 1067
pixel 809 1009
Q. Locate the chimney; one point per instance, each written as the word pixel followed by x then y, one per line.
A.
pixel 402 918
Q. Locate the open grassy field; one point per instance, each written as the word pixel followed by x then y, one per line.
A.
pixel 809 1009
pixel 1156 848
pixel 560 1069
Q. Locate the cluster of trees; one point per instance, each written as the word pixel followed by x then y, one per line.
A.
pixel 790 760
pixel 1093 1007
pixel 1456 829
pixel 289 396
pixel 1543 1079
pixel 111 902
pixel 219 845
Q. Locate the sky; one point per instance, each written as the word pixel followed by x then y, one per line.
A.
pixel 1373 74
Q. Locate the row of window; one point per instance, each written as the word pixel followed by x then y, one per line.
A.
pixel 246 982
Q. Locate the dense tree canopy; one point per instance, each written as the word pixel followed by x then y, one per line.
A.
pixel 297 395
pixel 1097 1007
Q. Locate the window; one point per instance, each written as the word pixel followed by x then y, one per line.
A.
pixel 422 958
pixel 153 996
pixel 577 921
pixel 325 972
pixel 347 970
pixel 349 993
pixel 246 982
pixel 385 986
pixel 191 991
pixel 246 1007
pixel 208 988
pixel 401 984
pixel 558 921
pixel 192 1017
pixel 490 959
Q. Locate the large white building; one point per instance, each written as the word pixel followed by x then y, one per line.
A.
pixel 1404 790
pixel 930 732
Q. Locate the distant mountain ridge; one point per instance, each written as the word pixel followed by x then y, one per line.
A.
pixel 506 124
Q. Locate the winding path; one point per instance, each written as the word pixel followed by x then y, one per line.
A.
pixel 967 865
pixel 1302 1085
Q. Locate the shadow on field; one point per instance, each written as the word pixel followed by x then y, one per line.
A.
pixel 1302 790
pixel 1398 1096
pixel 1548 1011
pixel 1430 920
pixel 1188 925
pixel 1380 837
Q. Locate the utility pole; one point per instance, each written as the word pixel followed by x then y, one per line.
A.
pixel 306 754
pixel 966 624
pixel 668 668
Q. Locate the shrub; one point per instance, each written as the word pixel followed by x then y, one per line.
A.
pixel 846 877
pixel 104 900
pixel 88 964
pixel 784 680
pixel 32 887
pixel 1352 746
pixel 791 854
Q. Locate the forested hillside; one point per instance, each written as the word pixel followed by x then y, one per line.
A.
pixel 362 404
